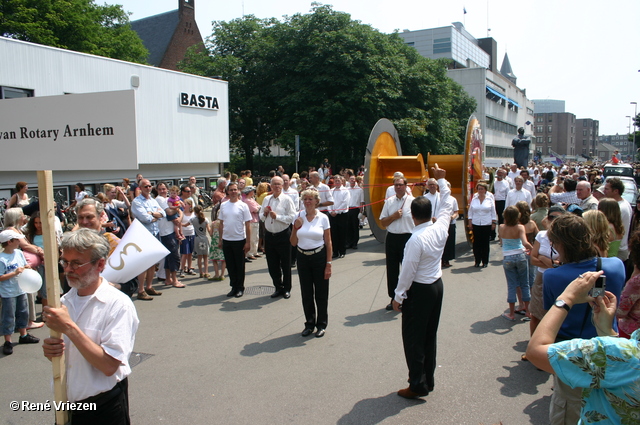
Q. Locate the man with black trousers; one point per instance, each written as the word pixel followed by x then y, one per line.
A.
pixel 278 212
pixel 396 217
pixel 235 231
pixel 420 290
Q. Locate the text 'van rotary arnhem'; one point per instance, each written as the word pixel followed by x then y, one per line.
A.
pixel 26 133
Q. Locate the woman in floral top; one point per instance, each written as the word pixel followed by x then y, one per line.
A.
pixel 628 312
pixel 606 367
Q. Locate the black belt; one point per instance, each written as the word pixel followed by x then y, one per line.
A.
pixel 102 398
pixel 275 234
pixel 310 251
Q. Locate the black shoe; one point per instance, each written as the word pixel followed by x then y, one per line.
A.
pixel 320 333
pixel 354 247
pixel 286 295
pixel 28 339
pixel 484 266
pixel 389 307
pixel 293 265
pixel 306 332
pixel 476 265
pixel 276 294
pixel 7 348
pixel 246 260
pixel 231 293
pixel 335 255
pixel 240 293
pixel 341 256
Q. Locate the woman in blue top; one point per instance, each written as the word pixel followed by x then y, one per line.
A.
pixel 514 241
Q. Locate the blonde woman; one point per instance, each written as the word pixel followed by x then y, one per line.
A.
pixel 600 231
pixel 611 210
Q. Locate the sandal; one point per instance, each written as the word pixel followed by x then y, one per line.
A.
pixel 524 358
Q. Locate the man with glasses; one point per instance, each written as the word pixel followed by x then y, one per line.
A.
pixel 396 217
pixel 147 211
pixel 99 324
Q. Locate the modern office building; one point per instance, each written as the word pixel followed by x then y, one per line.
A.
pixel 502 106
pixel 555 133
pixel 548 106
pixel 181 120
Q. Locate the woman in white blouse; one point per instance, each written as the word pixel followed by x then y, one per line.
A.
pixel 482 219
pixel 311 236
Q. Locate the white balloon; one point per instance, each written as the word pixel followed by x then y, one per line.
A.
pixel 30 281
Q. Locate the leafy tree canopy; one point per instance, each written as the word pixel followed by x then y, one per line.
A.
pixel 79 25
pixel 329 79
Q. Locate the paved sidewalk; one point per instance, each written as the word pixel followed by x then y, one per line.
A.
pixel 203 358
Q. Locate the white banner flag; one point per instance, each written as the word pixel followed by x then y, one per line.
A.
pixel 137 251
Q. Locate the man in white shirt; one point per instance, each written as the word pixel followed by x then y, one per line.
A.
pixel 420 290
pixel 396 217
pixel 338 217
pixel 433 196
pixel 288 190
pixel 501 189
pixel 278 212
pixel 517 193
pixel 356 206
pixel 99 324
pixel 614 188
pixel 513 172
pixel 326 196
pixel 235 236
pixel 528 183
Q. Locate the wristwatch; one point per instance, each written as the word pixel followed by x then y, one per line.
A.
pixel 562 304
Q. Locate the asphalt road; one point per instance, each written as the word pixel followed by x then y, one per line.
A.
pixel 203 358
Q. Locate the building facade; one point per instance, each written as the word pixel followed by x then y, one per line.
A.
pixel 502 106
pixel 555 134
pixel 182 120
pixel 548 106
pixel 621 143
pixel 167 36
pixel 587 130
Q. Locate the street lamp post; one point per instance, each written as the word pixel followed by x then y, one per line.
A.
pixel 635 115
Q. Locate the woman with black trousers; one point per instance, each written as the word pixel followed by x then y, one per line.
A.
pixel 482 220
pixel 312 236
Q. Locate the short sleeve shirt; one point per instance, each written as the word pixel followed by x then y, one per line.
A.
pixel 8 264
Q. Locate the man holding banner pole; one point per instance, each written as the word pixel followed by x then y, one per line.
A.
pixel 99 324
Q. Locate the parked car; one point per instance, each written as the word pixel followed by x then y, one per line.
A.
pixel 619 170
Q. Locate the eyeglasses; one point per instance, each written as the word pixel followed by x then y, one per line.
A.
pixel 72 265
pixel 187 190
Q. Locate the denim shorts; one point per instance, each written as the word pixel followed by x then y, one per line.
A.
pixel 517 272
pixel 15 314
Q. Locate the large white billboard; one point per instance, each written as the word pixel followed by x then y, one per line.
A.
pixel 69 132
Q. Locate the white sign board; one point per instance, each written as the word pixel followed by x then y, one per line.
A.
pixel 69 132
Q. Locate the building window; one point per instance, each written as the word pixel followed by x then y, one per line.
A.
pixel 548 139
pixel 14 93
pixel 410 43
pixel 549 128
pixel 442 45
pixel 584 132
pixel 539 129
pixel 540 119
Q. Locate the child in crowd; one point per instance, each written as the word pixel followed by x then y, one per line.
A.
pixel 15 311
pixel 215 254
pixel 174 201
pixel 202 244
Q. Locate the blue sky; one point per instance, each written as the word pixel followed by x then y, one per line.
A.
pixel 583 52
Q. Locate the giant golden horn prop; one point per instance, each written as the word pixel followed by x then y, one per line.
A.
pixel 384 157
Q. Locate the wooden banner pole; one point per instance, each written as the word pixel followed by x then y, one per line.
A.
pixel 47 213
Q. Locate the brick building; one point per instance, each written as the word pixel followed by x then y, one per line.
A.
pixel 168 35
pixel 555 132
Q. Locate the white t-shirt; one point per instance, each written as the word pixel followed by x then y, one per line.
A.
pixel 188 230
pixel 234 215
pixel 311 234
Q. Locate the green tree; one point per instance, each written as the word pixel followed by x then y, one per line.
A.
pixel 329 79
pixel 78 25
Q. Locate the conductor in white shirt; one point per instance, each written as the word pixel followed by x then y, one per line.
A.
pixel 420 290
